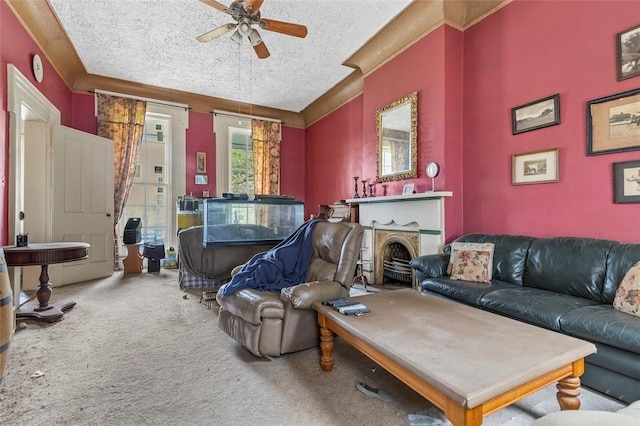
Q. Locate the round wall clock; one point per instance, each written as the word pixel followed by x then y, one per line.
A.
pixel 433 169
pixel 38 70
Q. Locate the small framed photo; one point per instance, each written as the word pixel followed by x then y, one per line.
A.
pixel 628 63
pixel 536 115
pixel 613 123
pixel 408 188
pixel 626 182
pixel 534 167
pixel 202 180
pixel 201 162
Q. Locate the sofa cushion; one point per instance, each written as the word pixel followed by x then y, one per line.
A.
pixel 621 258
pixel 464 291
pixel 539 307
pixel 471 262
pixel 568 265
pixel 604 324
pixel 628 294
pixel 509 255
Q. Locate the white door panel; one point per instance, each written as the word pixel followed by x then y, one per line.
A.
pixel 36 183
pixel 83 202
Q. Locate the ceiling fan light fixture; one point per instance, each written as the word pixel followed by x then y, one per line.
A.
pixel 254 38
pixel 237 37
pixel 244 28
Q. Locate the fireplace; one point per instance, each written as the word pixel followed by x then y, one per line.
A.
pixel 394 250
pixel 398 228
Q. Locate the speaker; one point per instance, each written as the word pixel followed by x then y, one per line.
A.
pixel 132 231
pixel 153 251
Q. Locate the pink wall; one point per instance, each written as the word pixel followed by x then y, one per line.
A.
pixel 526 51
pixel 292 166
pixel 17 48
pixel 333 156
pixel 200 138
pixel 430 66
pixel 83 117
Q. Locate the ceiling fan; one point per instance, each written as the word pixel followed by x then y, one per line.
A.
pixel 247 13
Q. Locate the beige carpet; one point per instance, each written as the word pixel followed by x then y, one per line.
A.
pixel 135 351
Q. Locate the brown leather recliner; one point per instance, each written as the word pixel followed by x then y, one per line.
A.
pixel 271 323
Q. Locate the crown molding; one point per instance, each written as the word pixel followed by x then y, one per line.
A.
pixel 417 19
pixel 42 24
pixel 197 103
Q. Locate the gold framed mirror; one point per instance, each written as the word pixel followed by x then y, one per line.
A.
pixel 397 130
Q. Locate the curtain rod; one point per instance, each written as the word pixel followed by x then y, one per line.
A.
pixel 236 115
pixel 149 100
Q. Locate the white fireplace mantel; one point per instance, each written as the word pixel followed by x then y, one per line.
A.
pixel 417 213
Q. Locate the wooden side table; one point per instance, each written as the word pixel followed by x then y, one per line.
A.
pixel 45 254
pixel 133 262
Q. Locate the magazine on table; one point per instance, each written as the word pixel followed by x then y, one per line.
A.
pixel 347 307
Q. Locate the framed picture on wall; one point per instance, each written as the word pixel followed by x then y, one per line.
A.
pixel 534 115
pixel 627 48
pixel 626 182
pixel 534 167
pixel 408 188
pixel 201 162
pixel 613 123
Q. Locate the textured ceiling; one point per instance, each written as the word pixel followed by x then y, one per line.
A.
pixel 154 42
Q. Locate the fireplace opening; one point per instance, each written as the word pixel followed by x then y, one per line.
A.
pixel 393 251
pixel 395 265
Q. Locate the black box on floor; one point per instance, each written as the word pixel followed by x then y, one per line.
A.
pixel 132 231
pixel 153 265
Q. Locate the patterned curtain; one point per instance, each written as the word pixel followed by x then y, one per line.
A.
pixel 266 156
pixel 121 120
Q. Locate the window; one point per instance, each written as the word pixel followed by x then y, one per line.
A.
pixel 241 161
pixel 148 198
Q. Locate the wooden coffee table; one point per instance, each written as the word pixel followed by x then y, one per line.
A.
pixel 467 362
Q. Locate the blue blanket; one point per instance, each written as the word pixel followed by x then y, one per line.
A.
pixel 283 266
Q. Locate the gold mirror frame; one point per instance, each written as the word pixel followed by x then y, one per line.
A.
pixel 412 122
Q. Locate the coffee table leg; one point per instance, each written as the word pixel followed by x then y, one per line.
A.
pixel 568 393
pixel 326 347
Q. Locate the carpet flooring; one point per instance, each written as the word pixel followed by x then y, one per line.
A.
pixel 136 350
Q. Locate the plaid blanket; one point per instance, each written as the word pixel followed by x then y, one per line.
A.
pixel 187 280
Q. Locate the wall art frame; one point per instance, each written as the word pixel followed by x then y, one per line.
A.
pixel 201 162
pixel 626 65
pixel 535 167
pixel 535 115
pixel 613 123
pixel 408 188
pixel 201 179
pixel 626 182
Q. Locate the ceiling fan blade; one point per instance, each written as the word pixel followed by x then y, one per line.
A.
pixel 208 36
pixel 253 4
pixel 261 50
pixel 219 6
pixel 284 28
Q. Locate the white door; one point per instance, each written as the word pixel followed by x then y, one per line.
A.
pixel 36 188
pixel 82 205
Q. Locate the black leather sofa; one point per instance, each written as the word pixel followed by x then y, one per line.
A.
pixel 564 284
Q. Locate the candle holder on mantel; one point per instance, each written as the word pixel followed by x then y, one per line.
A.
pixel 355 180
pixel 364 188
pixel 371 190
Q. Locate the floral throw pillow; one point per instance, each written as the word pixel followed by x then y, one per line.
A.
pixel 627 297
pixel 471 262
